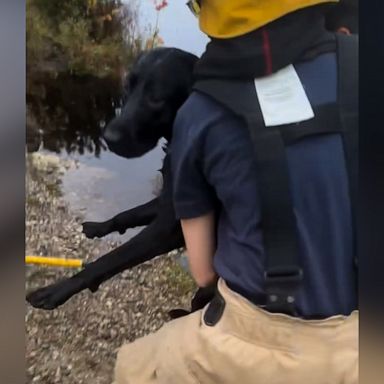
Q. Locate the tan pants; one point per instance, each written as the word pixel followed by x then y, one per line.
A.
pixel 248 345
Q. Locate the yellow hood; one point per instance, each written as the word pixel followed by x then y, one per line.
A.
pixel 231 18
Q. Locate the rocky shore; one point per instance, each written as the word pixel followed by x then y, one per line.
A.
pixel 77 343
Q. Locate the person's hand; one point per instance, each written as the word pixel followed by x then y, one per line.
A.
pixel 201 298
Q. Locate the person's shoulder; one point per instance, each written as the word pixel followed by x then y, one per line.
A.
pixel 203 102
pixel 319 77
pixel 324 63
pixel 199 111
pixel 201 117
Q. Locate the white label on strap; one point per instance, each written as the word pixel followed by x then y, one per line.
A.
pixel 282 98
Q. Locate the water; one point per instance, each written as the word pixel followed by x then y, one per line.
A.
pixel 65 116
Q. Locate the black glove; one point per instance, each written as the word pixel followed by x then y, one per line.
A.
pixel 201 298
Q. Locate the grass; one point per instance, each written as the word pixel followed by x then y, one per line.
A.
pixel 178 279
pixel 53 188
pixel 32 201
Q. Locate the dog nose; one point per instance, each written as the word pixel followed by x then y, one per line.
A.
pixel 111 135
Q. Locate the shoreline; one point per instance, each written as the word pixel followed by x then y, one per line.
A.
pixel 77 342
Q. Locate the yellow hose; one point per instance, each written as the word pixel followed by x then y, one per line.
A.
pixel 54 261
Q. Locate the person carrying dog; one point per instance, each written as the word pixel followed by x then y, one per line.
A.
pixel 264 162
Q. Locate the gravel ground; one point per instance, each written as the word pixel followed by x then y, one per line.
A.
pixel 77 342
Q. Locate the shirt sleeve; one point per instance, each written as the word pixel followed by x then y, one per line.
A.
pixel 193 196
pixel 212 165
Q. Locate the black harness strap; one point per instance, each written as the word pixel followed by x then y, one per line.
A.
pixel 327 121
pixel 283 273
pixel 348 99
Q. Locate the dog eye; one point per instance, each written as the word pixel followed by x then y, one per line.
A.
pixel 155 103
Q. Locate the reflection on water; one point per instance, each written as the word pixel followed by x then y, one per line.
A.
pixel 66 113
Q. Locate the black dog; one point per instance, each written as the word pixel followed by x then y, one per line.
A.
pixel 158 84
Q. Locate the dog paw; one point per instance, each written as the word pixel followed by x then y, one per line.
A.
pixel 54 295
pixel 92 229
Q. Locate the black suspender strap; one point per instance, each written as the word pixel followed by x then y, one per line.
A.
pixel 283 273
pixel 348 109
pixel 326 122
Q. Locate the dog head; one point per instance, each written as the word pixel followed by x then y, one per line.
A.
pixel 157 85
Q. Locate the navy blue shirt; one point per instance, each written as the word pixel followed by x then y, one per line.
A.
pixel 213 168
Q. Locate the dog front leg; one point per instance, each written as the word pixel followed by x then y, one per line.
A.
pixel 135 217
pixel 158 238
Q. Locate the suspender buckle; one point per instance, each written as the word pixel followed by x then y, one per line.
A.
pixel 281 285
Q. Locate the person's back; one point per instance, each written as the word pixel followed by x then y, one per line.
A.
pixel 216 168
pixel 207 134
pixel 233 153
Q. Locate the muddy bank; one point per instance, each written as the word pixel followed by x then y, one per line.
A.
pixel 77 343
